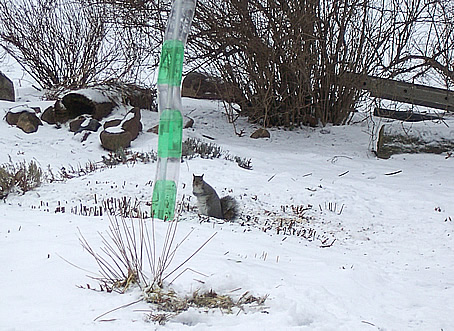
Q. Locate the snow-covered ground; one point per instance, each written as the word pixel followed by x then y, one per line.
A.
pixel 390 267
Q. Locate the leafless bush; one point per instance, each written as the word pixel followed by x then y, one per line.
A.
pixel 74 43
pixel 292 60
pixel 132 254
pixel 285 57
pixel 139 27
pixel 428 55
pixel 57 42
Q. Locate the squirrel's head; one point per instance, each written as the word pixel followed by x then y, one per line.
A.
pixel 197 181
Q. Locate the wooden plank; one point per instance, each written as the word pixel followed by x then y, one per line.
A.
pixel 406 116
pixel 406 92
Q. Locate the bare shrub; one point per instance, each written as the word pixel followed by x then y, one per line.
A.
pixel 138 27
pixel 429 56
pixel 285 57
pixel 292 60
pixel 58 42
pixel 132 255
pixel 74 43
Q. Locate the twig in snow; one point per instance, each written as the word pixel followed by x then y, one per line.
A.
pixel 118 308
pixel 269 180
pixel 366 322
pixel 208 137
pixel 393 173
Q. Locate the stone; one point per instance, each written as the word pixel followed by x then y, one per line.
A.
pixel 28 122
pixel 84 123
pixel 198 85
pixel 414 137
pixel 77 104
pixel 111 123
pixel 90 124
pixel 140 97
pixel 61 114
pixel 24 118
pixel 115 140
pixel 260 133
pixel 132 123
pixel 97 102
pixel 119 133
pixel 12 117
pixel 48 115
pixel 6 88
pixel 74 125
pixel 189 123
pixel 154 129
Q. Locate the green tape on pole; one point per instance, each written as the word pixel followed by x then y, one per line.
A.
pixel 171 63
pixel 170 134
pixel 164 198
pixel 169 100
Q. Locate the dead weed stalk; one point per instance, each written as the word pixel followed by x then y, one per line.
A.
pixel 131 255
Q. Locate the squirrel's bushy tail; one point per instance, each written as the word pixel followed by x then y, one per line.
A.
pixel 229 207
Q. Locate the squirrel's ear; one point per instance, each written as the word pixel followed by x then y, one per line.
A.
pixel 202 176
pixel 193 176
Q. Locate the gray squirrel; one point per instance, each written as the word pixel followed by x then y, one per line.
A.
pixel 209 203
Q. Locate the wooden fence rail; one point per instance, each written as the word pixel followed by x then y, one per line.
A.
pixel 416 94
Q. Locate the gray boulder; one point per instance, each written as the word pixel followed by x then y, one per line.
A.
pixel 96 102
pixel 132 123
pixel 119 133
pixel 414 137
pixel 28 122
pixel 77 103
pixel 260 133
pixel 6 88
pixel 48 115
pixel 140 97
pixel 24 118
pixel 201 86
pixel 84 123
pixel 114 140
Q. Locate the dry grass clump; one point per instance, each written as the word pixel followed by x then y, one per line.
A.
pixel 166 300
pixel 167 304
pixel 193 147
pixel 212 300
pixel 19 177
